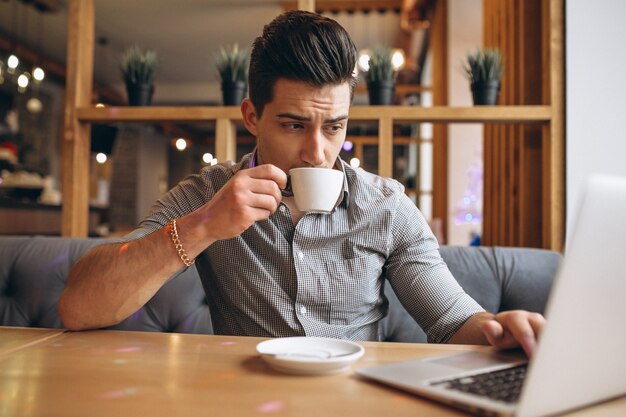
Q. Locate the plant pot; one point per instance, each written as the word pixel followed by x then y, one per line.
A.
pixel 381 93
pixel 233 92
pixel 139 94
pixel 485 93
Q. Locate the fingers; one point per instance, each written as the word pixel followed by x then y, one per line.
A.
pixel 514 328
pixel 269 172
pixel 249 196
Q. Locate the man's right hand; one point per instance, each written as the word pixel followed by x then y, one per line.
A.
pixel 249 196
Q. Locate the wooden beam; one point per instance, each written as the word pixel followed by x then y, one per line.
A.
pixel 350 6
pixel 225 140
pixel 554 178
pixel 385 147
pixel 408 114
pixel 76 134
pixel 308 5
pixel 439 48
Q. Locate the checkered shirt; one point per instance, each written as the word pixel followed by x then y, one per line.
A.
pixel 325 275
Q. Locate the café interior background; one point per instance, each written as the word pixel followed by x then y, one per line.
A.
pixel 143 163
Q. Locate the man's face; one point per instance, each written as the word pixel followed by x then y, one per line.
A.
pixel 303 126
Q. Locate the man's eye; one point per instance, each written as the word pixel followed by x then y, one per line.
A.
pixel 334 129
pixel 293 126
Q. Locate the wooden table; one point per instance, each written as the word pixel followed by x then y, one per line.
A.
pixel 116 373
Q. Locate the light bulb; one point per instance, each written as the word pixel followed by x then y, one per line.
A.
pixel 397 59
pixel 22 81
pixel 34 105
pixel 38 74
pixel 181 144
pixel 207 158
pixel 101 158
pixel 13 62
pixel 364 61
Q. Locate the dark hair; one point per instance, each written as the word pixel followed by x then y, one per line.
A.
pixel 300 46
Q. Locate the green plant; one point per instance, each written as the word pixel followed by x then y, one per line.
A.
pixel 484 65
pixel 138 67
pixel 381 65
pixel 232 63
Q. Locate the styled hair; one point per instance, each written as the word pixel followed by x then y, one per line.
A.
pixel 300 46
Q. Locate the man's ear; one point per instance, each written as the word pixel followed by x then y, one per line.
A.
pixel 249 116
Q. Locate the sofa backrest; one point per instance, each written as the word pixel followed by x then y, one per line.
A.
pixel 33 271
pixel 498 278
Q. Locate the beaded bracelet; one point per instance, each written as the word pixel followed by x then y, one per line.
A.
pixel 178 245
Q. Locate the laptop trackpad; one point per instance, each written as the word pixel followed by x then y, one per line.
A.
pixel 476 360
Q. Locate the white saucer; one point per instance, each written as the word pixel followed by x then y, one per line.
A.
pixel 309 355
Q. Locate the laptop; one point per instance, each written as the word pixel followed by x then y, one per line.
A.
pixel 581 355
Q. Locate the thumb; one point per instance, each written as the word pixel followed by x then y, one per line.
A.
pixel 493 331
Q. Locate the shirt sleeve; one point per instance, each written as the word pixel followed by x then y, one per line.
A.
pixel 421 279
pixel 187 196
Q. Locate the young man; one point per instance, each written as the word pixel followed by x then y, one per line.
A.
pixel 269 269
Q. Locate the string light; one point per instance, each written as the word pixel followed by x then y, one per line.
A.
pixel 12 63
pixel 22 81
pixel 101 158
pixel 207 158
pixel 38 74
pixel 181 144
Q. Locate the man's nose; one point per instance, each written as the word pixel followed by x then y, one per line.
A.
pixel 313 149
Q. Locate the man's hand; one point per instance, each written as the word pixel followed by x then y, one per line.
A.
pixel 514 328
pixel 249 196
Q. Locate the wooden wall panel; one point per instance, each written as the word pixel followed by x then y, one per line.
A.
pixel 513 213
pixel 439 48
pixel 75 152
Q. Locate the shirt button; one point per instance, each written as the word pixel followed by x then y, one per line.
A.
pixel 303 310
pixel 283 209
pixel 300 255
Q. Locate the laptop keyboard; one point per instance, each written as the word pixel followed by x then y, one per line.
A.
pixel 503 385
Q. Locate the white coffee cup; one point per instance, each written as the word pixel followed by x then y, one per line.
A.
pixel 316 189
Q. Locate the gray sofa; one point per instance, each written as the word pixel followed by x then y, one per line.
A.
pixel 33 271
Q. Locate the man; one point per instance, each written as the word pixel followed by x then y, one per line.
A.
pixel 269 269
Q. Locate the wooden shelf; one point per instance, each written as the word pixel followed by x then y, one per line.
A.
pixel 158 114
pixel 482 114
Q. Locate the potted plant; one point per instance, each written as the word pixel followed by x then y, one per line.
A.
pixel 484 70
pixel 381 77
pixel 138 69
pixel 232 66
